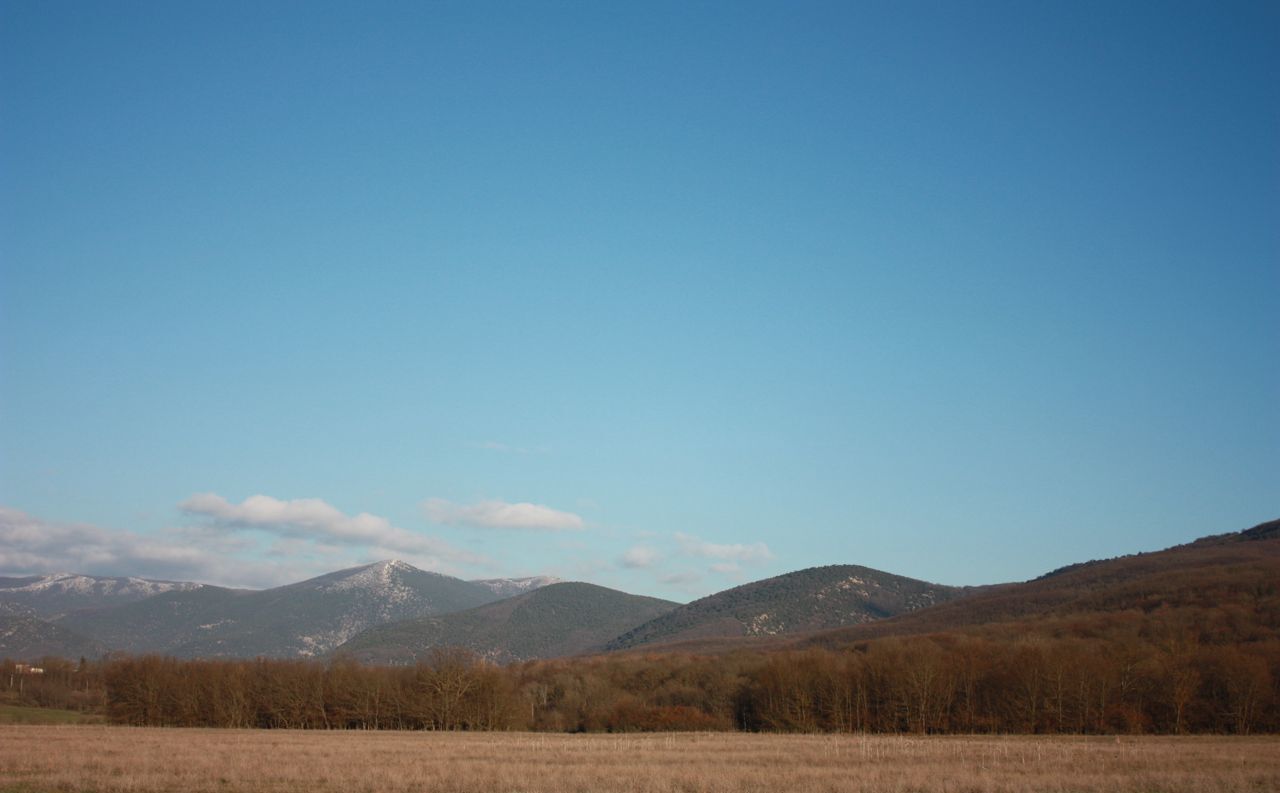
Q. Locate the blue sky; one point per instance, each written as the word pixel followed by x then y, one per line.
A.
pixel 665 297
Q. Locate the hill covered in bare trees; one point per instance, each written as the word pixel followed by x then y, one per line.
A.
pixel 1219 587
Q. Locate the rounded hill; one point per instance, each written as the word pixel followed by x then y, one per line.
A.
pixel 816 598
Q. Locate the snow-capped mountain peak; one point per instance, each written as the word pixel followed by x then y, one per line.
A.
pixel 56 594
pixel 74 583
pixel 385 577
pixel 509 587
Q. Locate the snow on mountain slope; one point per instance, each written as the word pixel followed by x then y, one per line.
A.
pixel 509 587
pixel 305 619
pixel 66 583
pixel 60 593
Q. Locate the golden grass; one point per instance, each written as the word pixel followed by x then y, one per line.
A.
pixel 142 760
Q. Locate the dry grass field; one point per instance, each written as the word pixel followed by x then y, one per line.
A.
pixel 99 758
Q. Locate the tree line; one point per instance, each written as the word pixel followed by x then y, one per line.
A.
pixel 934 684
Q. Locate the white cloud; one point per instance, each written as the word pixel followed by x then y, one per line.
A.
pixel 736 552
pixel 640 556
pixel 726 568
pixel 322 526
pixel 30 545
pixel 501 515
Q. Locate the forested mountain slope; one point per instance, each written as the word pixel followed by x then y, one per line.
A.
pixel 802 601
pixel 305 619
pixel 552 621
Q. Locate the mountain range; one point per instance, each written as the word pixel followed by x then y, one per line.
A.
pixel 60 593
pixel 392 612
pixel 306 619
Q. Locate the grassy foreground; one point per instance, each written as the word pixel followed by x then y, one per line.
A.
pixel 18 714
pixel 99 758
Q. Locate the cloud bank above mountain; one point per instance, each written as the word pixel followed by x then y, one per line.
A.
pixel 31 545
pixel 501 515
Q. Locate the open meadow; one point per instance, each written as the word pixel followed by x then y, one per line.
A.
pixel 104 759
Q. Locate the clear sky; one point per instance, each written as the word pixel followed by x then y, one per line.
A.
pixel 662 296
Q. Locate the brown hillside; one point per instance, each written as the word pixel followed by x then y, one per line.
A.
pixel 1225 588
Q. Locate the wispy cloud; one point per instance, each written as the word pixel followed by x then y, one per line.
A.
pixel 30 545
pixel 747 553
pixel 639 557
pixel 316 520
pixel 501 515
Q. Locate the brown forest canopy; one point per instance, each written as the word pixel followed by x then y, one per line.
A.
pixel 1165 682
